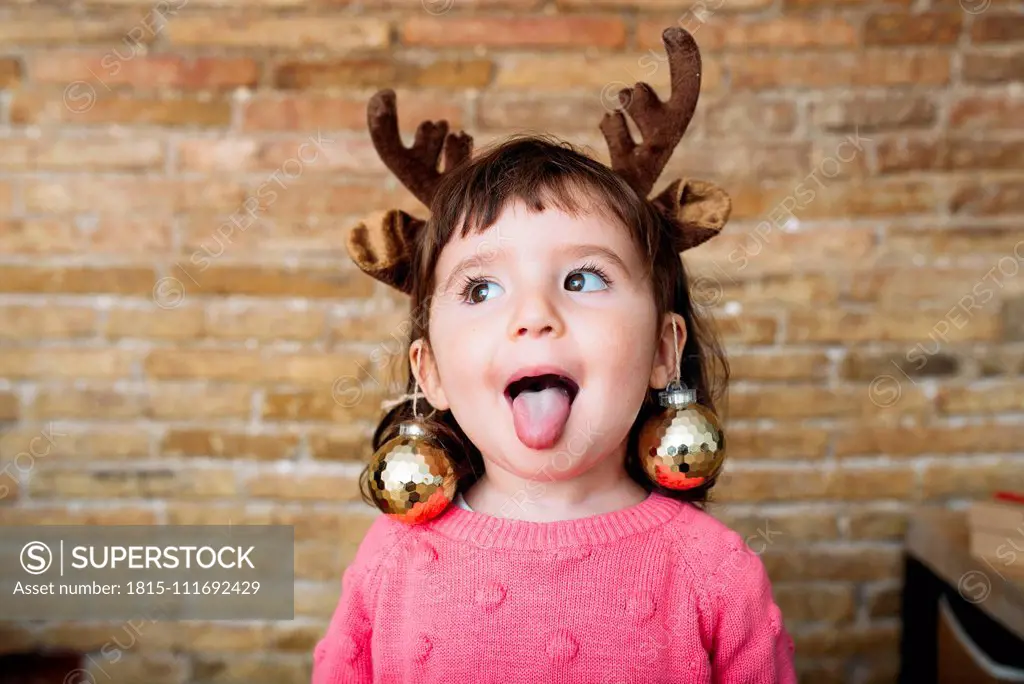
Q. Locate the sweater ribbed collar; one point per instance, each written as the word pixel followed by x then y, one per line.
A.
pixel 491 532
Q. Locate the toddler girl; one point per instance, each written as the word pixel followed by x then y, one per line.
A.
pixel 549 307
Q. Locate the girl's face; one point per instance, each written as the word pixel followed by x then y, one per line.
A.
pixel 544 291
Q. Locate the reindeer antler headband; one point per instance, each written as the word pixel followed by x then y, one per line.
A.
pixel 697 210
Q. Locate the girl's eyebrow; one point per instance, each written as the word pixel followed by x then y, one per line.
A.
pixel 579 251
pixel 469 262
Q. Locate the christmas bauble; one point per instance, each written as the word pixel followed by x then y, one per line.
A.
pixel 412 479
pixel 683 447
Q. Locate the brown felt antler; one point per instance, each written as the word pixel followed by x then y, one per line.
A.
pixel 387 258
pixel 416 167
pixel 697 210
pixel 661 124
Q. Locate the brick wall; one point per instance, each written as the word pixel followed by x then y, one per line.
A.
pixel 183 339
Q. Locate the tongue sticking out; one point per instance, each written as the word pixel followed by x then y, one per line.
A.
pixel 540 416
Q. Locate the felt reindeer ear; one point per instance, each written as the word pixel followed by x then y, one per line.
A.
pixel 383 249
pixel 696 209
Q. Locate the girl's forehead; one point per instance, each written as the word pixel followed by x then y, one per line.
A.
pixel 518 227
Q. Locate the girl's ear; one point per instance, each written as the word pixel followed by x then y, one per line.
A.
pixel 424 366
pixel 666 353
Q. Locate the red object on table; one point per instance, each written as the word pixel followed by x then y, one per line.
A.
pixel 1009 497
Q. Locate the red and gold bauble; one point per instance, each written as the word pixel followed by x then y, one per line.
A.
pixel 683 447
pixel 411 478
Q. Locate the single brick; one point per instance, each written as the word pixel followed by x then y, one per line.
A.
pixel 536 31
pixel 370 72
pixel 337 34
pixel 925 28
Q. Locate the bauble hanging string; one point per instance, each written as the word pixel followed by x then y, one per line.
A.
pixel 683 447
pixel 412 479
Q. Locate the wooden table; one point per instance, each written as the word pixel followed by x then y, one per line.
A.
pixel 938 562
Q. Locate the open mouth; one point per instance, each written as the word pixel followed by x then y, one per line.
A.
pixel 533 383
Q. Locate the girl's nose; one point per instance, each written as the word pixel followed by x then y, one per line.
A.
pixel 535 316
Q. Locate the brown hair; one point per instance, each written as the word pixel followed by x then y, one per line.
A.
pixel 543 172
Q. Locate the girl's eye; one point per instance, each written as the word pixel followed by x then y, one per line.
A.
pixel 577 280
pixel 476 291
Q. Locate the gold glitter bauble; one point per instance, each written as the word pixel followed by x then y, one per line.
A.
pixel 411 479
pixel 684 446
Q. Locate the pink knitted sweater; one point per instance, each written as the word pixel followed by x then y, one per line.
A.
pixel 656 592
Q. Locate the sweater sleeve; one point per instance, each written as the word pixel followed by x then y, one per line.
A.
pixel 750 642
pixel 342 656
